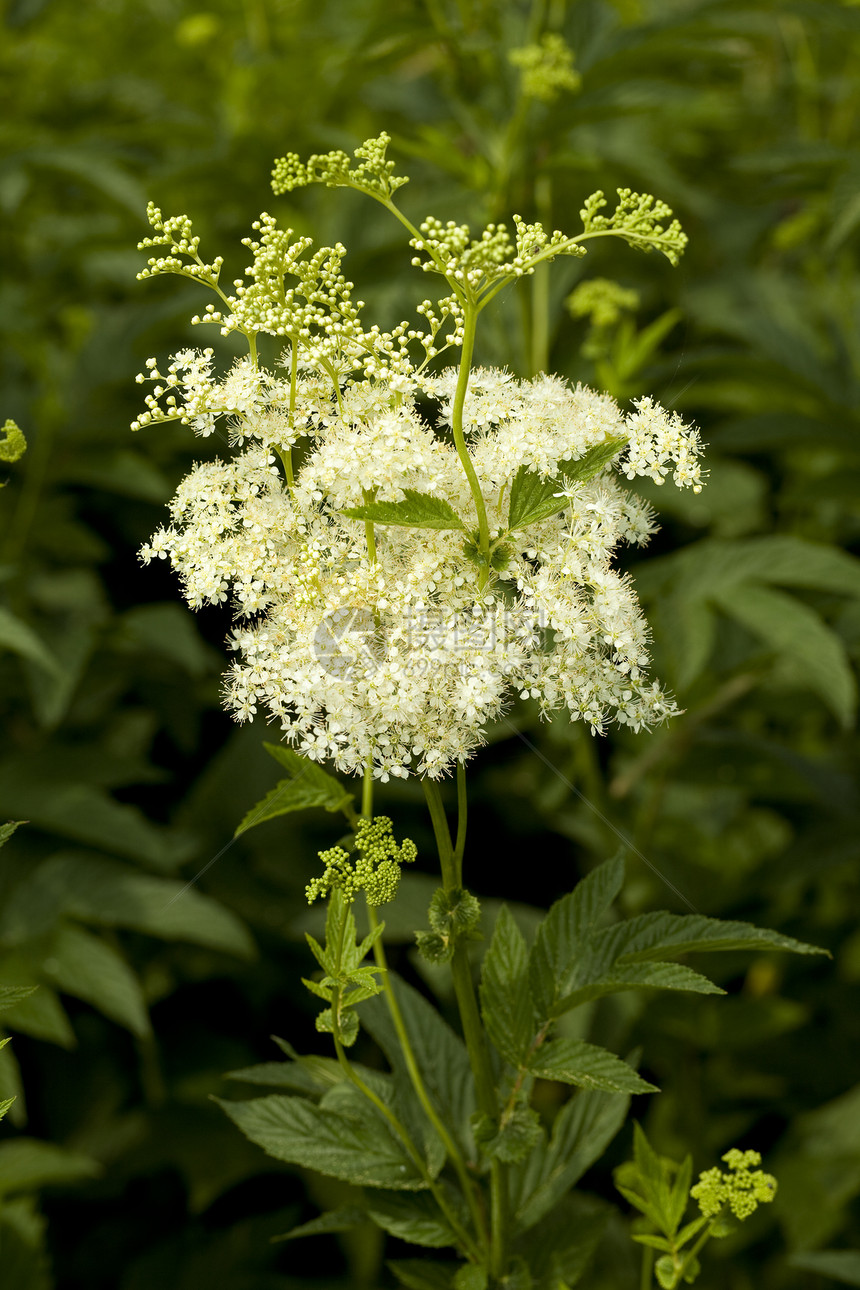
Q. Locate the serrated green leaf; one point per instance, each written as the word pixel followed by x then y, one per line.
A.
pixel 26 1164
pixel 560 1247
pixel 710 567
pixel 113 894
pixel 471 1277
pixel 308 785
pixel 83 965
pixel 6 830
pixel 413 1217
pixel 512 1141
pixel 417 511
pixel 11 995
pixel 506 1003
pixel 583 1129
pixel 40 1013
pixel 565 933
pixel 651 937
pixel 646 976
pixel 336 1220
pixel 659 1188
pixel 296 1131
pixel 534 498
pixel 320 1074
pixel 305 1074
pixel 277 1075
pixel 5 1105
pixel 572 1061
pixel 800 637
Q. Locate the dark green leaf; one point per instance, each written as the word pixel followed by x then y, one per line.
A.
pixel 337 1220
pixel 417 511
pixel 835 1265
pixel 6 830
pixel 88 814
pixel 801 638
pixel 512 1141
pixel 506 1004
pixel 17 636
pixel 24 1262
pixel 112 894
pixel 361 1151
pixel 574 1062
pixel 85 966
pixel 560 1247
pixel 563 936
pixel 661 935
pixel 583 1129
pixel 39 1013
pixel 645 976
pixel 308 785
pixel 313 1074
pixel 472 1277
pixel 534 498
pixel 26 1164
pixel 10 995
pixel 416 1218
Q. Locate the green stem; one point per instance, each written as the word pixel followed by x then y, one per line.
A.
pixel 539 339
pixel 434 255
pixel 645 1281
pixel 473 1030
pixel 369 534
pixel 287 457
pixel 693 1252
pixel 367 791
pixel 462 821
pixel 464 1237
pixel 466 1182
pixel 470 320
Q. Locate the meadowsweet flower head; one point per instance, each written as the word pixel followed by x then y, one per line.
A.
pixel 403 561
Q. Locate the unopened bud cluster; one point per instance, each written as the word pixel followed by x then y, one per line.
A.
pixel 742 1189
pixel 375 870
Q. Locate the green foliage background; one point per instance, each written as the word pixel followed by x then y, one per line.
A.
pixel 743 116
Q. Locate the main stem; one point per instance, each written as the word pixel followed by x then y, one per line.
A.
pixel 467 1183
pixel 470 321
pixel 473 1030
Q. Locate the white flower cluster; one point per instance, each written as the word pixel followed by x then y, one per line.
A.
pixel 402 654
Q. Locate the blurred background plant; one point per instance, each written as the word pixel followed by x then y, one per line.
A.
pixel 743 116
